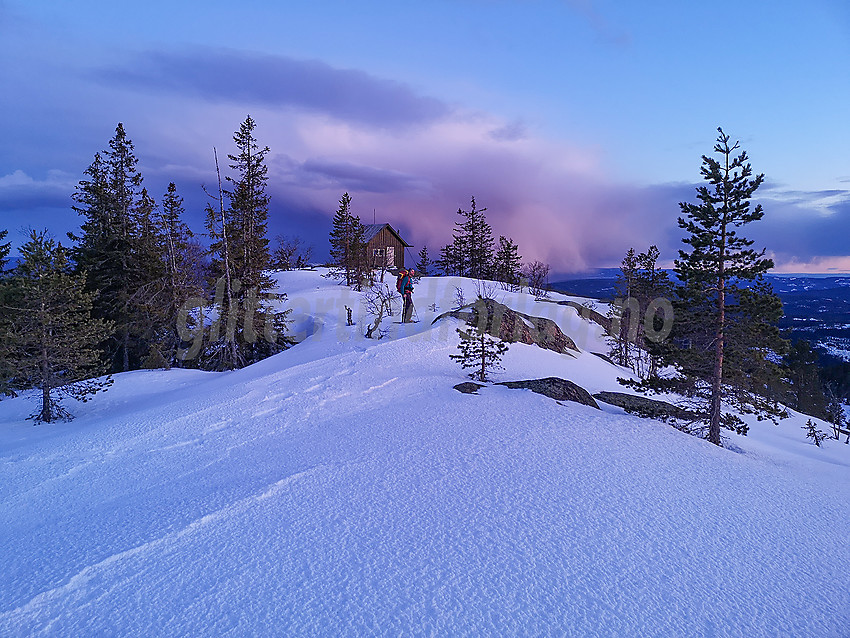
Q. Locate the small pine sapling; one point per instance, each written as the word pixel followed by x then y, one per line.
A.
pixel 480 352
pixel 812 432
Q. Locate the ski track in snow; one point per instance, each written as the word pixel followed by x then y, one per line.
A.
pixel 344 488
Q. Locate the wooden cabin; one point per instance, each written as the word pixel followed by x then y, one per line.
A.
pixel 384 246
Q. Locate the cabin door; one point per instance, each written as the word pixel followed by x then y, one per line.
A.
pixel 390 255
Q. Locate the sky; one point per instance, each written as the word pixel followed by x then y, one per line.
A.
pixel 579 124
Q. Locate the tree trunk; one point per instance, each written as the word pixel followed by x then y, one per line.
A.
pixel 125 347
pixel 46 411
pixel 230 348
pixel 717 377
pixel 719 334
pixel 483 374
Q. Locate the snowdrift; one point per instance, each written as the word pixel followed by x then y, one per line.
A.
pixel 344 488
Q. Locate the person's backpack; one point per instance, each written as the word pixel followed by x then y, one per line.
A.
pixel 398 281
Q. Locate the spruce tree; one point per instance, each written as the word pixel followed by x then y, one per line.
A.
pixel 507 264
pixel 56 337
pixel 179 282
pixel 641 313
pixel 424 265
pixel 471 252
pixel 248 328
pixel 116 249
pixel 5 249
pixel 623 317
pixel 712 273
pixel 249 209
pixel 451 261
pixel 805 393
pixel 149 317
pixel 348 246
pixel 479 243
pixel 6 302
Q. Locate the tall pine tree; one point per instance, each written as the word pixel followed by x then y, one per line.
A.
pixel 248 326
pixel 249 209
pixel 713 272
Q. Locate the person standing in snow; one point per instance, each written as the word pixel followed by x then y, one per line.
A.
pixel 407 295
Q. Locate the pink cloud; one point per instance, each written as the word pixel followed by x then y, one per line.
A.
pixel 551 198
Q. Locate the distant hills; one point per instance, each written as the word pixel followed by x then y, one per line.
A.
pixel 817 307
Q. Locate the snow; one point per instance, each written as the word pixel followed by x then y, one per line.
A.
pixel 344 488
pixel 838 347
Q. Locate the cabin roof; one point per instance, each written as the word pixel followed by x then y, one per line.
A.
pixel 371 231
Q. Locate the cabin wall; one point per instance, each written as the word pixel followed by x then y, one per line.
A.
pixel 381 242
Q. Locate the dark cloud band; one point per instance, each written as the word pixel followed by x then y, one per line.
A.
pixel 223 75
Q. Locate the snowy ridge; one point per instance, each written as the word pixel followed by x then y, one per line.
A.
pixel 344 488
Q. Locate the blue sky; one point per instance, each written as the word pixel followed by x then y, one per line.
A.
pixel 580 124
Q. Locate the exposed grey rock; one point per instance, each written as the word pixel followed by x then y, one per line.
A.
pixel 645 407
pixel 590 314
pixel 513 327
pixel 555 388
pixel 584 312
pixel 468 387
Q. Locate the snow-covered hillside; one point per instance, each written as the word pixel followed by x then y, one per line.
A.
pixel 343 488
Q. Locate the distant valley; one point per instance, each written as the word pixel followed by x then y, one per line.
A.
pixel 817 309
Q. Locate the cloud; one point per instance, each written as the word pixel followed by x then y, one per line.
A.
pixel 822 200
pixel 411 159
pixel 800 226
pixel 18 190
pixel 510 132
pixel 552 198
pixel 245 78
pixel 354 177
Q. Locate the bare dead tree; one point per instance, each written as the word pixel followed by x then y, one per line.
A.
pixel 536 275
pixel 379 302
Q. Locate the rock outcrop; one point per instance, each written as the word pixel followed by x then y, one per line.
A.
pixel 513 327
pixel 468 387
pixel 555 388
pixel 644 407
